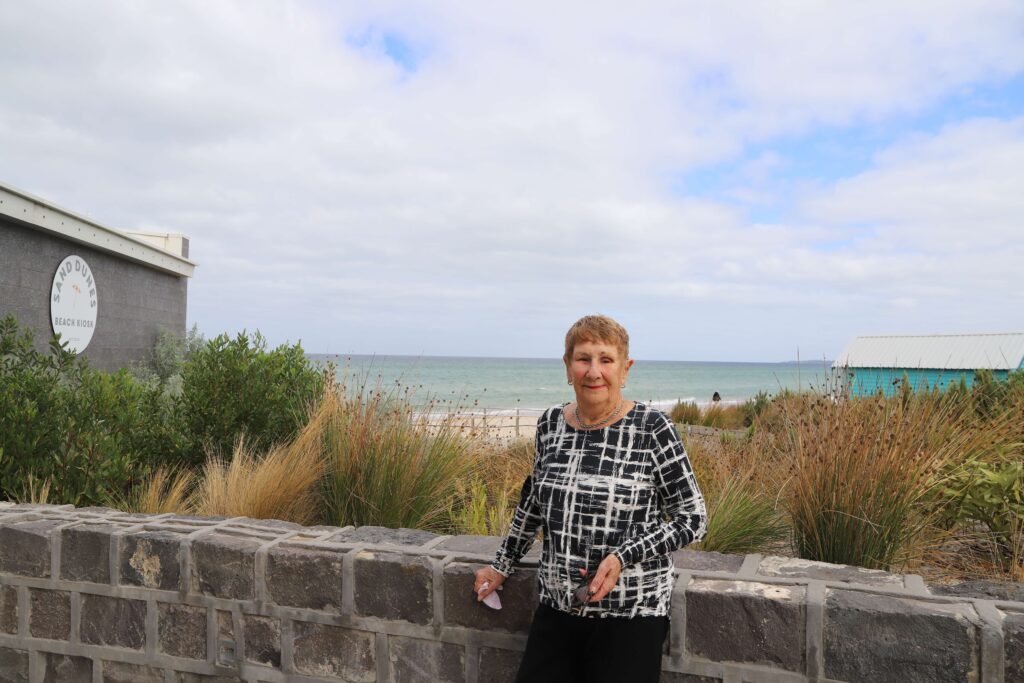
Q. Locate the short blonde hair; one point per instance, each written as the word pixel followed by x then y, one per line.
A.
pixel 597 328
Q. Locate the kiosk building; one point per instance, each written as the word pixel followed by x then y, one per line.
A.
pixel 109 293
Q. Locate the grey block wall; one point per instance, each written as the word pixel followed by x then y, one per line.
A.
pixel 90 595
pixel 135 301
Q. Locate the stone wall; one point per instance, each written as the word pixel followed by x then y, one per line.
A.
pixel 96 595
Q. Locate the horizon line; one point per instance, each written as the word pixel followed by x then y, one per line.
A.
pixel 798 361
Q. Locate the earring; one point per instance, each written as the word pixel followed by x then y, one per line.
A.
pixel 570 381
pixel 623 386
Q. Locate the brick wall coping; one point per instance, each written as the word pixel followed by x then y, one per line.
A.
pixel 93 594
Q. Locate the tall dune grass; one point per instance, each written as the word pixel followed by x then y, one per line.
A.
pixel 282 483
pixel 166 491
pixel 877 482
pixel 716 415
pixel 686 412
pixel 743 519
pixel 388 466
pixel 743 513
pixel 489 502
pixel 866 474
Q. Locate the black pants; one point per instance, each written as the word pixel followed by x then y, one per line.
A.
pixel 564 648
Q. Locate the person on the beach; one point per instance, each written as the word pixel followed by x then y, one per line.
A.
pixel 614 493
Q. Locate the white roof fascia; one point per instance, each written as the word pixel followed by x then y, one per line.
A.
pixel 40 214
pixel 1004 351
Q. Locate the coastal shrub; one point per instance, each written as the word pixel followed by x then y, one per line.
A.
pixel 235 387
pixel 113 434
pixel 82 433
pixel 387 465
pixel 170 352
pixel 168 355
pixel 754 407
pixel 989 491
pixel 686 412
pixel 31 399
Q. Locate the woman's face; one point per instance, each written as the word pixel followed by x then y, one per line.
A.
pixel 597 371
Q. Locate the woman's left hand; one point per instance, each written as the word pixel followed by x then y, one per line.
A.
pixel 605 578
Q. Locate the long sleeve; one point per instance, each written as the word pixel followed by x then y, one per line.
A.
pixel 680 501
pixel 525 521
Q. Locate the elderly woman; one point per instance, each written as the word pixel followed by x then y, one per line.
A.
pixel 614 493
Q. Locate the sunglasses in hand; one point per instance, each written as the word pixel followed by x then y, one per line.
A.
pixel 580 595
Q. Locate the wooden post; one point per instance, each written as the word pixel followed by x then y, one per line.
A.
pixel 517 423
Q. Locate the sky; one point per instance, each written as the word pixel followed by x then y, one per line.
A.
pixel 729 180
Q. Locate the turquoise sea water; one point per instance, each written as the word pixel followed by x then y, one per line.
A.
pixel 532 384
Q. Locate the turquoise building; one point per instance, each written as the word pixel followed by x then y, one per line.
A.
pixel 871 364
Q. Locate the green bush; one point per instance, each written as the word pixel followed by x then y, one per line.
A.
pixel 171 351
pixel 88 435
pixel 752 408
pixel 232 387
pixel 83 433
pixel 991 493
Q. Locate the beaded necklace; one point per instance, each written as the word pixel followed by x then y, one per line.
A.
pixel 599 423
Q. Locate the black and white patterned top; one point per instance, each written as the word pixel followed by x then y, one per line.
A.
pixel 627 488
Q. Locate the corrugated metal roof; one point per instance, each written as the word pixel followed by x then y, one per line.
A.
pixel 939 351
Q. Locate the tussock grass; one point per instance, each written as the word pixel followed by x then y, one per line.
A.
pixel 686 412
pixel 490 501
pixel 280 484
pixel 166 491
pixel 743 519
pixel 715 415
pixel 866 474
pixel 743 514
pixel 388 466
pixel 35 491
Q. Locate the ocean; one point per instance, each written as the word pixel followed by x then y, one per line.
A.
pixel 530 385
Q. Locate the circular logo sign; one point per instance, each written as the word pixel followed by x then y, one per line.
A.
pixel 73 303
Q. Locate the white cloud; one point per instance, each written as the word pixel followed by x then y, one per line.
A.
pixel 959 190
pixel 521 173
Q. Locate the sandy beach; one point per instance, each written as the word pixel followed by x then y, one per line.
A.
pixel 500 427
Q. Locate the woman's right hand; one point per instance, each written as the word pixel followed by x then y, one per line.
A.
pixel 491 577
